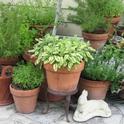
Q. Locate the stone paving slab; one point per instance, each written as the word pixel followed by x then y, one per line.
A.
pixel 56 115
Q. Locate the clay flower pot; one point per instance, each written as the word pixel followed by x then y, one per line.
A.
pixel 114 21
pixel 8 60
pixel 51 98
pixel 25 100
pixel 28 57
pixel 63 80
pixel 97 40
pixel 5 81
pixel 96 89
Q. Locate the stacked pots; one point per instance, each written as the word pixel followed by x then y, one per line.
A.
pixel 5 81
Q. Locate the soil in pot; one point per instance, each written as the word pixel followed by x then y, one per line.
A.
pixel 25 100
pixel 63 80
pixel 5 81
pixel 8 60
pixel 51 98
pixel 28 57
pixel 97 39
pixel 96 89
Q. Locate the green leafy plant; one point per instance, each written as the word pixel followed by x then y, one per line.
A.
pixel 39 12
pixel 106 66
pixel 27 76
pixel 66 52
pixel 15 35
pixel 113 8
pixel 89 20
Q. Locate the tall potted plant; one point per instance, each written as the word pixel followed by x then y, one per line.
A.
pixel 26 84
pixel 94 27
pixel 15 36
pixel 101 72
pixel 40 15
pixel 63 60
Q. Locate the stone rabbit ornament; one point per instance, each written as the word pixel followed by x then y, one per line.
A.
pixel 87 109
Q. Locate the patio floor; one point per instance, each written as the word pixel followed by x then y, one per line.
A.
pixel 8 115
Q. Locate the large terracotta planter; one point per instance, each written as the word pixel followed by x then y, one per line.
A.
pixel 25 101
pixel 8 60
pixel 63 80
pixel 96 89
pixel 5 81
pixel 97 40
pixel 50 97
pixel 28 57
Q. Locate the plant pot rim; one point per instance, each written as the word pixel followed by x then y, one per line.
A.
pixel 98 34
pixel 23 93
pixel 96 83
pixel 77 68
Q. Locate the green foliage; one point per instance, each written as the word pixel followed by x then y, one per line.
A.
pixel 66 52
pixel 27 76
pixel 40 12
pixel 108 8
pixel 113 8
pixel 106 66
pixel 15 35
pixel 89 20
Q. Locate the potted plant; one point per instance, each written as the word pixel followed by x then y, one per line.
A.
pixel 5 81
pixel 101 72
pixel 41 17
pixel 25 87
pixel 15 35
pixel 95 28
pixel 63 60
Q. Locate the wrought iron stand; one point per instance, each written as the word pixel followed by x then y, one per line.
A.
pixel 67 100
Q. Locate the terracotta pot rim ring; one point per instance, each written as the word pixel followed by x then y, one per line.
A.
pixel 24 93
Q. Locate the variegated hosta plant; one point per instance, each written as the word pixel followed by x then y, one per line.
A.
pixel 66 52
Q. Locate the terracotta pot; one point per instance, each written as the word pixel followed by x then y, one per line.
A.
pixel 97 40
pixel 63 80
pixel 51 98
pixel 5 81
pixel 96 89
pixel 28 57
pixel 8 60
pixel 25 100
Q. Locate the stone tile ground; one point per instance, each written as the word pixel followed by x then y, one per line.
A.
pixel 8 115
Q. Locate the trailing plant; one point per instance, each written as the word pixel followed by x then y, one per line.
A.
pixel 27 76
pixel 15 35
pixel 106 66
pixel 66 52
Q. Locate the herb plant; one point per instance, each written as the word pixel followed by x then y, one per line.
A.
pixel 106 66
pixel 15 35
pixel 27 76
pixel 66 52
pixel 89 20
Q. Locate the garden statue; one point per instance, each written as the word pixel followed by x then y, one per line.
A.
pixel 88 109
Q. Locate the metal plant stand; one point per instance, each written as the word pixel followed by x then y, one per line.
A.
pixel 67 100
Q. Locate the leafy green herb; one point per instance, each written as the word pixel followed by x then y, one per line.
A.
pixel 27 76
pixel 66 52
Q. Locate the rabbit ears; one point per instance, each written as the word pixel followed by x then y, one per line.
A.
pixel 85 93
